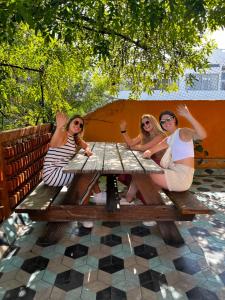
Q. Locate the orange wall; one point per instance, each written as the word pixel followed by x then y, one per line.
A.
pixel 103 124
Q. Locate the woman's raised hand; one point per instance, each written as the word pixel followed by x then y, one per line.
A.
pixel 61 119
pixel 123 125
pixel 183 111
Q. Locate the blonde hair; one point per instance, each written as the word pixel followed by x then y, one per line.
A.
pixel 156 130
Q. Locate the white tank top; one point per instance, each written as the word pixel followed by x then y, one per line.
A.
pixel 180 149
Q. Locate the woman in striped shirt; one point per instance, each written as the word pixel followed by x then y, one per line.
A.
pixel 64 143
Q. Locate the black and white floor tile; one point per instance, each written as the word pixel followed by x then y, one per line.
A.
pixel 118 260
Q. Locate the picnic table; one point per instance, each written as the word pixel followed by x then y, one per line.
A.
pixel 62 204
pixel 112 159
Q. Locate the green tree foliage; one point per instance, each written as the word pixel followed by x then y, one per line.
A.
pixel 29 66
pixel 146 42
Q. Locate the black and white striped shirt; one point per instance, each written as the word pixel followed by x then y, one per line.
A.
pixel 55 159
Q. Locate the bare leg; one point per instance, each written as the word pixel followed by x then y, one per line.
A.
pixel 159 179
pixel 131 193
pixel 148 189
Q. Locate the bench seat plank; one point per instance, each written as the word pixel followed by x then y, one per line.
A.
pixel 188 203
pixel 40 198
pixel 57 213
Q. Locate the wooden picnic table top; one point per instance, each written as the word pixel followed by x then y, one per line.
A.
pixel 111 158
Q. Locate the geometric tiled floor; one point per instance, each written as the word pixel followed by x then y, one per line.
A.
pixel 120 260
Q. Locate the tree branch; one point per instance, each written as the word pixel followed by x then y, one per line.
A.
pixel 124 37
pixel 21 68
pixel 1 112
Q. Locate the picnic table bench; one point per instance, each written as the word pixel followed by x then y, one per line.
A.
pixel 111 159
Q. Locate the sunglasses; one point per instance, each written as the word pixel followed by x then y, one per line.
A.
pixel 166 120
pixel 145 123
pixel 78 123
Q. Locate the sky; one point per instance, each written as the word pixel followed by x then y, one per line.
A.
pixel 219 36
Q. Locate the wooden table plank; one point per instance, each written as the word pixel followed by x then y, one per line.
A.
pixel 112 161
pixel 59 213
pixel 78 162
pixel 111 158
pixel 129 160
pixel 148 164
pixel 96 161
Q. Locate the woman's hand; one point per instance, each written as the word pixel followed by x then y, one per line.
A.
pixel 123 125
pixel 88 152
pixel 147 154
pixel 183 111
pixel 61 119
pixel 197 133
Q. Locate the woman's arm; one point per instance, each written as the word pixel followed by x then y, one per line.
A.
pixel 197 133
pixel 59 137
pixel 158 147
pixel 157 139
pixel 85 146
pixel 129 141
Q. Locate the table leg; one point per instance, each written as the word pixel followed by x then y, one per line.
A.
pixel 80 188
pixel 112 193
pixel 170 233
pixel 150 192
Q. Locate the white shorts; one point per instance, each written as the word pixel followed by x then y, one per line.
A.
pixel 179 177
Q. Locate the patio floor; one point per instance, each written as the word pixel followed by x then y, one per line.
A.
pixel 119 260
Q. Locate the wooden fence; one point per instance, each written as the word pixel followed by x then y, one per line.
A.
pixel 22 154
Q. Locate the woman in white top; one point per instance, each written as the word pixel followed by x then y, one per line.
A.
pixel 178 175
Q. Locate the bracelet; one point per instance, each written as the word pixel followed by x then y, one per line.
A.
pixel 123 131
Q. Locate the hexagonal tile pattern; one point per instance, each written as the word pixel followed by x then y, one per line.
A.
pixel 119 260
pixel 201 293
pixel 187 265
pixel 45 242
pixel 140 231
pixel 111 240
pixel 69 280
pixel 34 264
pixel 111 264
pixel 83 231
pixel 218 223
pixel 111 293
pixel 111 224
pixel 222 277
pixel 76 251
pixel 21 292
pixel 145 251
pixel 199 232
pixel 152 280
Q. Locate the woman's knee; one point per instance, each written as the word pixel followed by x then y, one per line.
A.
pixel 159 179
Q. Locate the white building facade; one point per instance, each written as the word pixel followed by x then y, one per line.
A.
pixel 207 86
